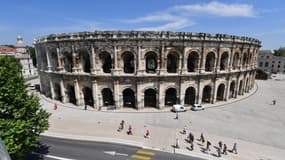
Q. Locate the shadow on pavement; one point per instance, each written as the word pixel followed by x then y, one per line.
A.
pixel 37 153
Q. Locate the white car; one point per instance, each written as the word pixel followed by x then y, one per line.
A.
pixel 178 108
pixel 197 107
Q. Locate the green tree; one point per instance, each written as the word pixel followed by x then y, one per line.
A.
pixel 32 52
pixel 21 117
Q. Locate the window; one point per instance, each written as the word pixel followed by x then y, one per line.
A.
pixel 273 62
pixel 272 65
pixel 279 62
pixel 278 66
pixel 267 57
pixel 266 64
pixel 260 64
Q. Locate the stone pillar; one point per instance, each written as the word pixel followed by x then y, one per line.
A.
pixel 77 92
pixel 51 89
pixel 140 96
pixel 200 92
pixel 185 58
pixel 93 63
pixel 161 96
pixel 48 60
pixel 202 61
pixel 62 92
pixel 115 70
pixel 218 61
pixel 116 94
pixel 236 88
pixel 59 67
pixel 94 94
pixel 74 60
pixel 163 61
pixel 214 92
pixel 227 90
pixel 140 68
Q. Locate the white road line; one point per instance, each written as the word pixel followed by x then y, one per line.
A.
pixel 58 158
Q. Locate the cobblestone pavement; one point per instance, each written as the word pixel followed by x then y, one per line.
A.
pixel 254 123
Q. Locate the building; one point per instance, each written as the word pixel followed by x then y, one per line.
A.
pixel 19 51
pixel 270 63
pixel 139 69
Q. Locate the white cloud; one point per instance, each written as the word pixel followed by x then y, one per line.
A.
pixel 219 9
pixel 181 16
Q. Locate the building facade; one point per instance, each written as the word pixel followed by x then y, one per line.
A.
pixel 270 63
pixel 19 51
pixel 139 69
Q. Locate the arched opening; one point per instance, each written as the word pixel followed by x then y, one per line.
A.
pixel 150 98
pixel 54 62
pixel 190 96
pixel 224 61
pixel 129 98
pixel 106 62
pixel 170 96
pixel 210 62
pixel 71 94
pixel 192 62
pixel 88 97
pixel 232 89
pixel 107 95
pixel 129 64
pixel 221 92
pixel 240 87
pixel 85 61
pixel 151 62
pixel 172 62
pixel 235 61
pixel 246 85
pixel 206 98
pixel 57 92
pixel 68 62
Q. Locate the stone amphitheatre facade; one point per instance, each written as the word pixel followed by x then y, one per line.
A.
pixel 139 69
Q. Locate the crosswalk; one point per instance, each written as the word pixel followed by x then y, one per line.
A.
pixel 143 155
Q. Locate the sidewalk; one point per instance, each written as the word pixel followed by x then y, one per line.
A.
pixel 73 122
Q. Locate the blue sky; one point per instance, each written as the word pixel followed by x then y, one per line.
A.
pixel 261 19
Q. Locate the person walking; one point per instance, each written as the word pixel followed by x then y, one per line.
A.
pixel 54 106
pixel 122 124
pixel 130 130
pixel 147 134
pixel 220 144
pixel 177 143
pixel 234 150
pixel 219 152
pixel 202 139
pixel 184 130
pixel 274 102
pixel 208 146
pixel 191 146
pixel 225 149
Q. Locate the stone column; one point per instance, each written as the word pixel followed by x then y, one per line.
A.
pixel 94 94
pixel 161 96
pixel 140 69
pixel 116 94
pixel 140 96
pixel 59 65
pixel 62 92
pixel 51 89
pixel 200 92
pixel 227 90
pixel 93 63
pixel 77 92
pixel 115 60
pixel 185 58
pixel 218 61
pixel 182 94
pixel 202 61
pixel 48 60
pixel 214 92
pixel 163 61
pixel 74 61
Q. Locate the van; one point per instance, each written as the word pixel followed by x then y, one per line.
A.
pixel 178 108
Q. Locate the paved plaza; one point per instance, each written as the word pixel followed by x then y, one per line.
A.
pixel 254 123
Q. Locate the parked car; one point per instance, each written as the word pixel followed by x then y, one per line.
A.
pixel 178 108
pixel 197 107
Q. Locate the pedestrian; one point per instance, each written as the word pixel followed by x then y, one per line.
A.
pixel 177 143
pixel 54 106
pixel 184 130
pixel 85 107
pixel 220 144
pixel 208 146
pixel 225 149
pixel 234 150
pixel 122 124
pixel 130 130
pixel 147 134
pixel 202 139
pixel 189 137
pixel 176 115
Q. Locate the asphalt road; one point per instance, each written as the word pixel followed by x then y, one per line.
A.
pixel 63 149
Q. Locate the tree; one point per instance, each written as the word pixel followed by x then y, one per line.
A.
pixel 32 52
pixel 279 52
pixel 21 117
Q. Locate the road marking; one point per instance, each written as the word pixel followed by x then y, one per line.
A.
pixel 140 157
pixel 145 153
pixel 58 158
pixel 114 153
